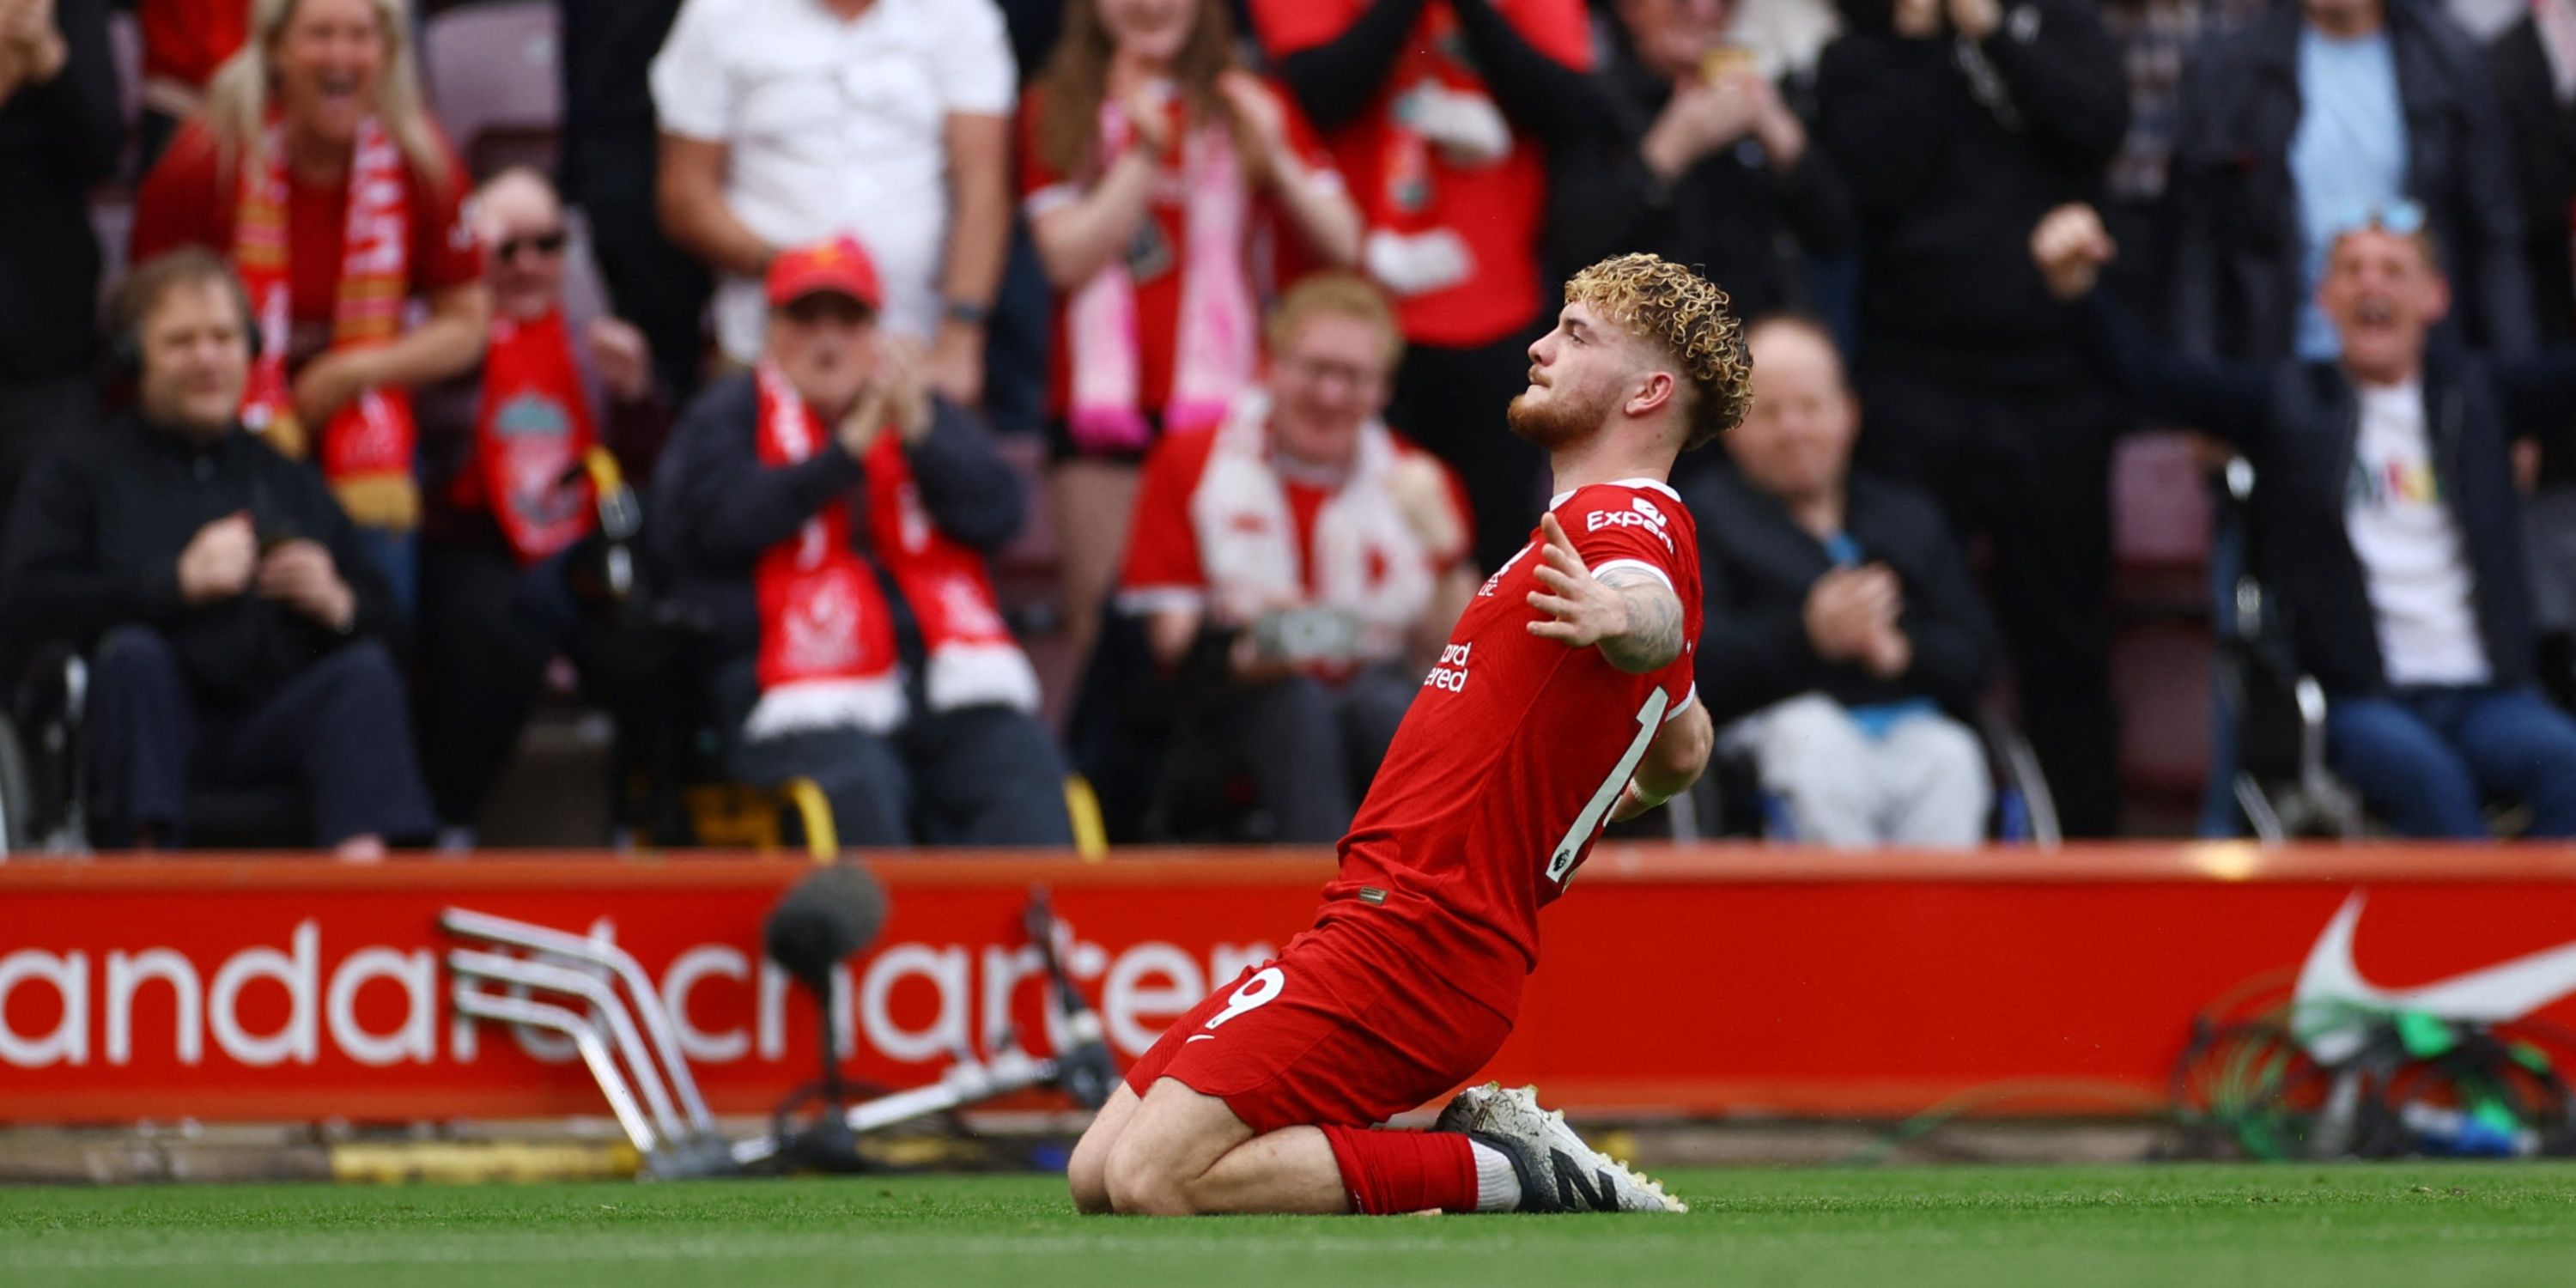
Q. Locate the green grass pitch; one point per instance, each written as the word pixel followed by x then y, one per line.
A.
pixel 2236 1227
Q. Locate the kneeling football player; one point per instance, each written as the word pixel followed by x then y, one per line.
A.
pixel 1563 700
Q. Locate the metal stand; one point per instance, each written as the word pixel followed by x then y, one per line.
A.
pixel 630 1045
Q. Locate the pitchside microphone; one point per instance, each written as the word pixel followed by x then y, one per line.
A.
pixel 834 912
pixel 829 915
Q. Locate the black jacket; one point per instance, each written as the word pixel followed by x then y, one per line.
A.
pixel 1731 215
pixel 608 48
pixel 1952 171
pixel 2237 256
pixel 94 544
pixel 1756 566
pixel 715 508
pixel 2544 160
pixel 56 140
pixel 2297 422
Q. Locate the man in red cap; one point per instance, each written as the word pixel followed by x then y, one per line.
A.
pixel 832 516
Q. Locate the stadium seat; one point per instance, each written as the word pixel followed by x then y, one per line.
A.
pixel 495 81
pixel 2160 678
pixel 2160 503
pixel 2160 511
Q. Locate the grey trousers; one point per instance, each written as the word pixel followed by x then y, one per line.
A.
pixel 1924 783
pixel 982 776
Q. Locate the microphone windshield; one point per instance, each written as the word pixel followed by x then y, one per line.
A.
pixel 827 916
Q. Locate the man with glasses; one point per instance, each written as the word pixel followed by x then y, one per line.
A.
pixel 1307 560
pixel 2387 524
pixel 496 445
pixel 2314 110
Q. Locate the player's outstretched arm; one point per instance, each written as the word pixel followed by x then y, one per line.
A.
pixel 1673 762
pixel 1632 615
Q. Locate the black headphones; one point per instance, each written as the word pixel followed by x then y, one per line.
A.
pixel 125 344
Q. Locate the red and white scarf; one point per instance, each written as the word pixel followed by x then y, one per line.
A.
pixel 827 640
pixel 1368 561
pixel 1216 341
pixel 1406 198
pixel 533 428
pixel 366 450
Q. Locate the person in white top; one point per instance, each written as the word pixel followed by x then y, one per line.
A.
pixel 788 122
pixel 2386 523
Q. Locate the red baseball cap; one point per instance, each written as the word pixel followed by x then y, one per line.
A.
pixel 840 266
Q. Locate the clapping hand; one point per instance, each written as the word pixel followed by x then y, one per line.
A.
pixel 1976 19
pixel 897 394
pixel 32 50
pixel 218 561
pixel 1703 117
pixel 300 574
pixel 907 374
pixel 1848 607
pixel 1148 111
pixel 1264 119
pixel 2070 245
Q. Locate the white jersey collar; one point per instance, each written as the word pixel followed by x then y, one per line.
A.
pixel 1652 485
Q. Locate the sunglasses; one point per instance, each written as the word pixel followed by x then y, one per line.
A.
pixel 545 243
pixel 2404 218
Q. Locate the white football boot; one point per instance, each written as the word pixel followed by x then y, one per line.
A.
pixel 1570 1176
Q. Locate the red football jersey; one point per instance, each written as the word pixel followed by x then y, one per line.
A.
pixel 1511 758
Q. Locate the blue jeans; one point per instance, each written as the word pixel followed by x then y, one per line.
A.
pixel 2425 759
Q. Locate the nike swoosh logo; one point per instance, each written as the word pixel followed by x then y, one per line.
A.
pixel 2505 991
pixel 1204 1037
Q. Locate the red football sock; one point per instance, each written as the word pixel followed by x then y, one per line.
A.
pixel 1390 1172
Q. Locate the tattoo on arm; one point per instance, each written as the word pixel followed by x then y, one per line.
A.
pixel 1654 635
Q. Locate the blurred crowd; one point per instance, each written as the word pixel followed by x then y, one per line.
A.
pixel 1017 420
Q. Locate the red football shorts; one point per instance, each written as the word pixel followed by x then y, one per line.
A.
pixel 1315 1037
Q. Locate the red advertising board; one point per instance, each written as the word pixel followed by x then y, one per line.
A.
pixel 1707 980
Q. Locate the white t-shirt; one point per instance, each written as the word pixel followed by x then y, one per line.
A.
pixel 834 127
pixel 2412 558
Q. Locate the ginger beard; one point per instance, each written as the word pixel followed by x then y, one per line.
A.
pixel 1553 415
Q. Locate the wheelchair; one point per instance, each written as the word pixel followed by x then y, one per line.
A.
pixel 2282 784
pixel 644 657
pixel 45 800
pixel 1730 802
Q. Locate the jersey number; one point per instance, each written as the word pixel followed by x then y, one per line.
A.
pixel 1265 984
pixel 1650 718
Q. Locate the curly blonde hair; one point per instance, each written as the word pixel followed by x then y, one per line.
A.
pixel 1686 315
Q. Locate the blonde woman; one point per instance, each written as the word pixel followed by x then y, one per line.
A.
pixel 1152 160
pixel 313 166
